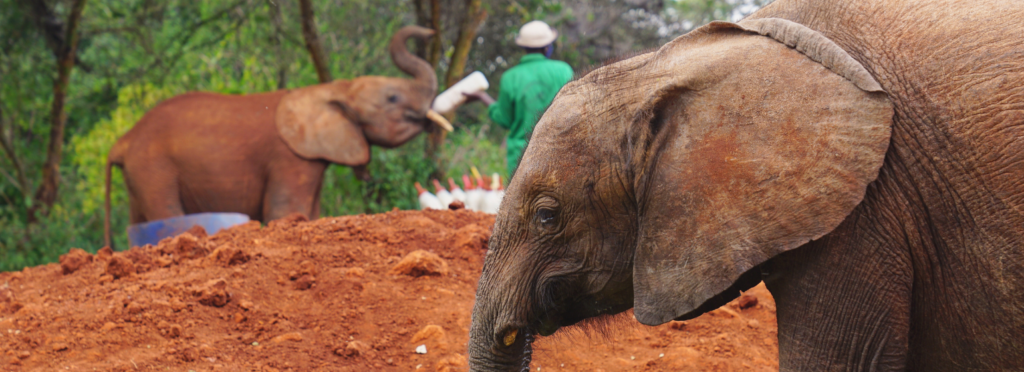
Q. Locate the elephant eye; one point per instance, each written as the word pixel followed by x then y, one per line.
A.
pixel 546 216
pixel 393 98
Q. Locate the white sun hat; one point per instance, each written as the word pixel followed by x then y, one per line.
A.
pixel 536 34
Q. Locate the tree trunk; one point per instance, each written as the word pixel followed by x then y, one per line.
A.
pixel 313 41
pixel 8 145
pixel 46 195
pixel 434 47
pixel 474 17
pixel 429 17
pixel 282 61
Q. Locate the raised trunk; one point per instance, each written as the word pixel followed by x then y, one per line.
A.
pixel 409 63
pixel 46 195
pixel 313 41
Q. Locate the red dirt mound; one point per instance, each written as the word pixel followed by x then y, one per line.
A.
pixel 390 292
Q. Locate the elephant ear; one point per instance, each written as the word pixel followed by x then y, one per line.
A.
pixel 761 136
pixel 316 123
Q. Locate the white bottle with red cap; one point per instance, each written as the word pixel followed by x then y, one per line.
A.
pixel 442 194
pixel 472 194
pixel 492 201
pixel 427 200
pixel 457 192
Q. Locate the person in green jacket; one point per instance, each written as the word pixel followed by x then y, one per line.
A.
pixel 527 89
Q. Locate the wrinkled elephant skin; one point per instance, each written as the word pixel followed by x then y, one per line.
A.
pixel 863 158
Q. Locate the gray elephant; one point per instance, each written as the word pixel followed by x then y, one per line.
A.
pixel 865 159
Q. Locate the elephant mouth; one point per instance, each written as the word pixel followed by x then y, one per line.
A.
pixel 428 121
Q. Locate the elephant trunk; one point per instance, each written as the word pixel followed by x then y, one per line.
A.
pixel 410 63
pixel 494 343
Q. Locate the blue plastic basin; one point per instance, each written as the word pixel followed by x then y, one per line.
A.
pixel 153 231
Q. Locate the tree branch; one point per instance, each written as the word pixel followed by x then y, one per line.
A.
pixel 5 141
pixel 46 195
pixel 313 41
pixel 52 29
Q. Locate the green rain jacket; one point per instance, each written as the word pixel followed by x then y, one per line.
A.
pixel 526 91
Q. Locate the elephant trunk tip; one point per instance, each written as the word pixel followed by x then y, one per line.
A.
pixel 409 63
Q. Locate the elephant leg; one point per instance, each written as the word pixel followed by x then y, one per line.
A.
pixel 294 189
pixel 156 195
pixel 843 302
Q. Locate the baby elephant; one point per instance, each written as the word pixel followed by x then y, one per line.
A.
pixel 863 158
pixel 264 155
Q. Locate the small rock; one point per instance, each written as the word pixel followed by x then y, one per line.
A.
pixel 753 323
pixel 245 305
pixel 168 329
pixel 60 346
pixel 747 301
pixel 108 326
pixel 24 354
pixel 229 255
pixel 353 349
pixel 422 349
pixel 308 267
pixel 292 336
pixel 456 205
pixel 120 266
pixel 419 263
pixel 213 293
pixel 197 231
pixel 456 362
pixel 104 254
pixel 304 282
pixel 135 308
pixel 430 332
pixel 355 272
pixel 75 259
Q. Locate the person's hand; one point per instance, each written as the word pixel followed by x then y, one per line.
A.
pixel 479 96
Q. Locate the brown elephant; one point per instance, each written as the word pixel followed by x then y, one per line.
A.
pixel 265 154
pixel 864 158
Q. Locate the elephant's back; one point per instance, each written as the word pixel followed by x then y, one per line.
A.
pixel 211 123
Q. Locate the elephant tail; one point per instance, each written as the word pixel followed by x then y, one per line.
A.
pixel 115 157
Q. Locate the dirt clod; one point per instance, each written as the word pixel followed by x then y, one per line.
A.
pixel 74 260
pixel 747 301
pixel 291 336
pixel 427 333
pixel 120 266
pixel 419 263
pixel 213 293
pixel 353 349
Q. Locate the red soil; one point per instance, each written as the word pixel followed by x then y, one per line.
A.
pixel 335 294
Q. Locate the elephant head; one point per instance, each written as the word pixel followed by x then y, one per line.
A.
pixel 658 182
pixel 339 120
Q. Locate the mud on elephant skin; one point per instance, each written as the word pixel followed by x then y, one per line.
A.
pixel 264 155
pixel 863 158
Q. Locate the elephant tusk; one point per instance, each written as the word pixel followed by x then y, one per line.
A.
pixel 440 120
pixel 510 337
